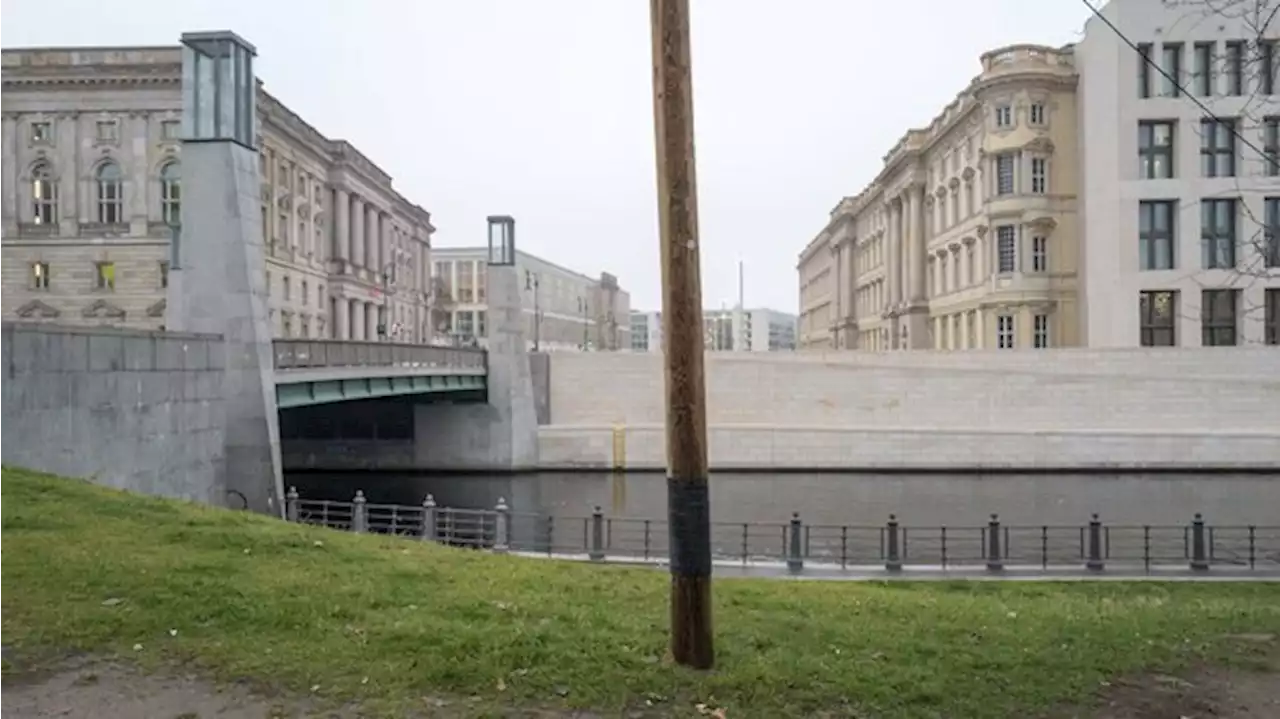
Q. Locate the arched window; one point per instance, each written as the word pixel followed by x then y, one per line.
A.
pixel 110 194
pixel 171 194
pixel 44 196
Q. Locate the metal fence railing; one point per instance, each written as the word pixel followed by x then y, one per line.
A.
pixel 307 354
pixel 893 546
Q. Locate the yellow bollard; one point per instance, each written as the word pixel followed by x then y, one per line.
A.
pixel 619 448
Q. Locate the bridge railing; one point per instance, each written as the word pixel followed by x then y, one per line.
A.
pixel 992 547
pixel 314 354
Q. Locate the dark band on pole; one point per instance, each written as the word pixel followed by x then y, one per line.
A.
pixel 689 509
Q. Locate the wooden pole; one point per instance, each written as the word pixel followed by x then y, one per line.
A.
pixel 688 506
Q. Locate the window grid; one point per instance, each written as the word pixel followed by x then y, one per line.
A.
pixel 1235 68
pixel 1040 335
pixel 1156 318
pixel 44 196
pixel 170 195
pixel 1171 62
pixel 110 194
pixel 1036 113
pixel 1218 147
pixel 1218 310
pixel 1155 150
pixel 1005 332
pixel 1004 116
pixel 1156 236
pixel 1144 69
pixel 1271 145
pixel 1271 232
pixel 1039 254
pixel 1267 57
pixel 1004 174
pixel 39 275
pixel 1218 234
pixel 105 275
pixel 1202 69
pixel 1039 175
pixel 1006 249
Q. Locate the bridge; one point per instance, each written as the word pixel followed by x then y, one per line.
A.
pixel 311 372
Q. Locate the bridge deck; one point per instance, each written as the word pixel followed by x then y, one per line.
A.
pixel 323 371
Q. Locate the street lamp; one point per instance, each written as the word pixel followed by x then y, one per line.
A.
pixel 398 257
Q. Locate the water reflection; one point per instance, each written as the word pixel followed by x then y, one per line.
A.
pixel 839 499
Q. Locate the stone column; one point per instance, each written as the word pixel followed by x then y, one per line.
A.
pixel 342 225
pixel 371 321
pixel 357 232
pixel 891 256
pixel 356 313
pixel 341 319
pixel 918 252
pixel 372 240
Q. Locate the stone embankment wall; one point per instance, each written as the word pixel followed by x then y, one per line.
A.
pixel 129 409
pixel 1051 409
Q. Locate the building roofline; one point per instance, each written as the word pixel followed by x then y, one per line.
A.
pixel 481 250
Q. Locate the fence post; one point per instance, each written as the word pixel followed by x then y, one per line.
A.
pixel 1094 562
pixel 596 551
pixel 995 560
pixel 429 519
pixel 795 554
pixel 359 513
pixel 291 501
pixel 502 532
pixel 1199 559
pixel 893 553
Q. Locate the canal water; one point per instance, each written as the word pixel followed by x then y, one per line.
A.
pixel 841 498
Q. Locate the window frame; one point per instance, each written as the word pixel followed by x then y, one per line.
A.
pixel 1217 242
pixel 110 193
pixel 1271 145
pixel 1151 324
pixel 38 275
pixel 1271 232
pixel 1234 60
pixel 1144 69
pixel 1152 238
pixel 1171 63
pixel 1004 116
pixel 1006 332
pixel 44 195
pixel 1003 188
pixel 1040 331
pixel 1151 152
pixel 1271 316
pixel 1202 68
pixel 104 274
pixel 1039 253
pixel 1213 152
pixel 170 179
pixel 1039 175
pixel 1006 246
pixel 1218 327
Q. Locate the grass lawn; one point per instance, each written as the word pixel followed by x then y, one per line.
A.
pixel 390 623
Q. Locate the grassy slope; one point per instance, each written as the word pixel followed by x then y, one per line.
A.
pixel 390 621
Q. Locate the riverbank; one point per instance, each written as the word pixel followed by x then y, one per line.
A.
pixel 396 626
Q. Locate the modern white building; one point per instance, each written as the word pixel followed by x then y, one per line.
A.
pixel 1181 193
pixel 744 330
pixel 563 309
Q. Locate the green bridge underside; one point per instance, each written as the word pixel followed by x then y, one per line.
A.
pixel 303 392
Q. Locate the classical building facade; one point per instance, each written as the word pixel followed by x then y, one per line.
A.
pixel 1181 207
pixel 966 238
pixel 92 179
pixel 563 309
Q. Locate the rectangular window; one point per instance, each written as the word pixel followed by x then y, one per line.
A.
pixel 1036 113
pixel 1156 223
pixel 1040 335
pixel 107 131
pixel 1004 116
pixel 1039 175
pixel 1218 309
pixel 482 321
pixel 1271 317
pixel 285 288
pixel 1171 63
pixel 1271 232
pixel 1268 65
pixel 105 275
pixel 1202 69
pixel 1004 173
pixel 1155 150
pixel 40 275
pixel 304 293
pixel 1005 332
pixel 1156 318
pixel 1218 147
pixel 1006 248
pixel 41 133
pixel 169 129
pixel 1235 68
pixel 1039 254
pixel 1218 234
pixel 1144 70
pixel 1271 145
pixel 164 275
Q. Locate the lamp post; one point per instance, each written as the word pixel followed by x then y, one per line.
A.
pixel 688 501
pixel 531 282
pixel 398 257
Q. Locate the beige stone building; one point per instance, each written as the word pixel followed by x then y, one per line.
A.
pixel 966 238
pixel 92 184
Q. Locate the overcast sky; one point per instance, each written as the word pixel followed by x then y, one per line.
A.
pixel 543 109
